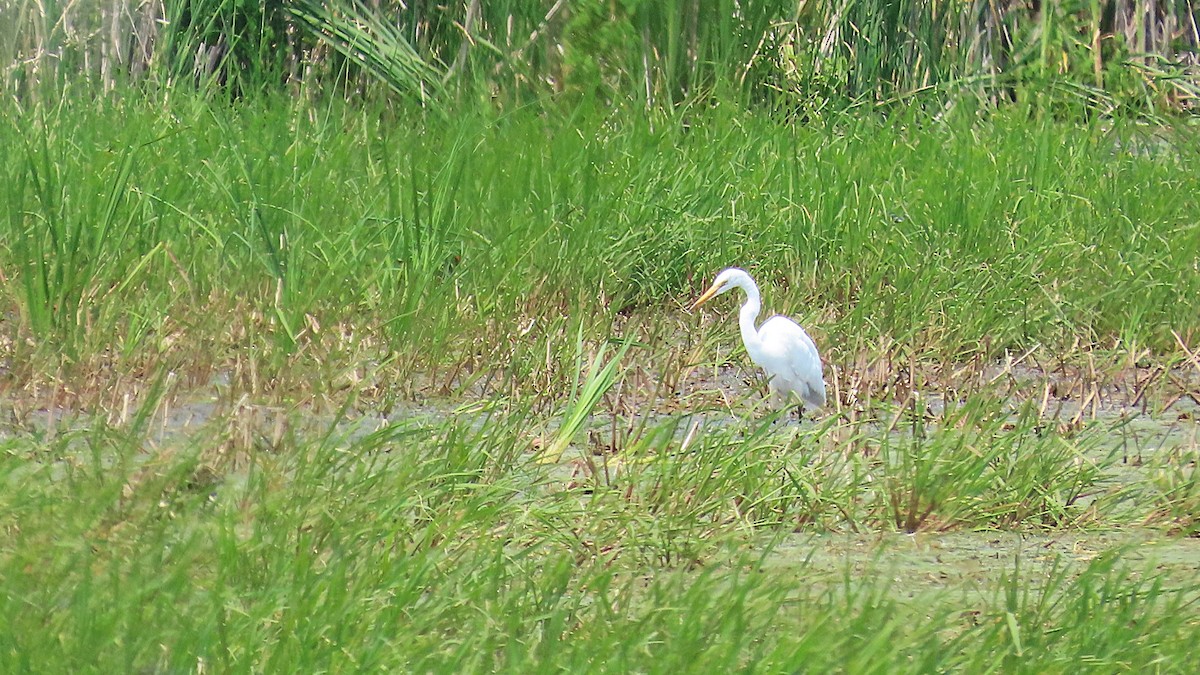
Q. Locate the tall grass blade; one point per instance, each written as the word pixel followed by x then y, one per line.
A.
pixel 367 39
pixel 601 376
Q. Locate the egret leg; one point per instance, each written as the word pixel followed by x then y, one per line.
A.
pixel 795 404
pixel 776 398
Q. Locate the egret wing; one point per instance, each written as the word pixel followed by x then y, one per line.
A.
pixel 794 362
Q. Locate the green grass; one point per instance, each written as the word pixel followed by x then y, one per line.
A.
pixel 1073 59
pixel 382 326
pixel 477 249
pixel 445 546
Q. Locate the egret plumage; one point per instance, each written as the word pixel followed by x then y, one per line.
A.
pixel 780 346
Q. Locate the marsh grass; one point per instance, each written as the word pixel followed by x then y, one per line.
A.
pixel 444 544
pixel 1070 59
pixel 975 468
pixel 278 376
pixel 1175 490
pixel 347 253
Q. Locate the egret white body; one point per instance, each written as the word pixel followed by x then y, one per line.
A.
pixel 780 347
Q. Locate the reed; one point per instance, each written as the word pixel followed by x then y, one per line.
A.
pixel 1114 56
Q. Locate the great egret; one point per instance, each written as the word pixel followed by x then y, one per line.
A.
pixel 780 346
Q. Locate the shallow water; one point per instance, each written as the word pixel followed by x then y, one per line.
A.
pixel 916 564
pixel 1134 443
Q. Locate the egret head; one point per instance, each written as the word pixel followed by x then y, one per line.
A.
pixel 726 280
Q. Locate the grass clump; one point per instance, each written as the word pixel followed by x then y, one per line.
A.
pixel 1175 492
pixel 975 471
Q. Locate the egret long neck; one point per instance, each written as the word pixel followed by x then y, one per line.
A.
pixel 746 318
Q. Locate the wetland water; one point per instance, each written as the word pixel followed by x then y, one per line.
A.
pixel 1132 447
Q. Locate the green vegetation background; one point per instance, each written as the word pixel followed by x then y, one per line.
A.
pixel 294 291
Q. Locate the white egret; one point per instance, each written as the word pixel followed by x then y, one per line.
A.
pixel 780 346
